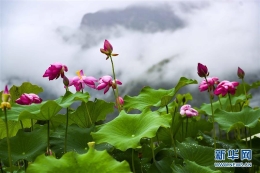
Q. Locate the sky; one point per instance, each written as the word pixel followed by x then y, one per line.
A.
pixel 221 34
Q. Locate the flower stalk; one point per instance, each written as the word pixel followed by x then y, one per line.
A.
pixel 8 141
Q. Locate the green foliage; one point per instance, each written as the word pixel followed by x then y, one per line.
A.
pixel 248 117
pixel 92 162
pixel 149 97
pixel 25 145
pixel 157 140
pixel 128 129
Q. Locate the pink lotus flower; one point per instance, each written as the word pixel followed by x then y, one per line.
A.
pixel 108 49
pixel 188 111
pixel 211 82
pixel 55 70
pixel 6 95
pixel 120 101
pixel 240 73
pixel 225 87
pixel 202 70
pixel 81 81
pixel 106 82
pixel 27 99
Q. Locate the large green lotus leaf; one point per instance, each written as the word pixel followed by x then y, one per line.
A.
pixel 96 110
pixel 69 98
pixel 26 87
pixel 150 97
pixel 181 83
pixel 16 110
pixel 47 111
pixel 191 166
pixel 25 145
pixel 248 117
pixel 91 162
pixel 126 130
pixel 191 151
pixel 13 127
pixel 77 139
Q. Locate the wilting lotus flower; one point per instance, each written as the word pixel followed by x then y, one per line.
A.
pixel 225 87
pixel 108 49
pixel 120 101
pixel 27 99
pixel 55 70
pixel 202 70
pixel 240 73
pixel 106 82
pixel 188 111
pixel 81 81
pixel 211 82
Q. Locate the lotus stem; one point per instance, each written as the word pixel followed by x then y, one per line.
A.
pixel 151 145
pixel 8 141
pixel 31 125
pixel 212 112
pixel 133 163
pixel 48 138
pixel 114 76
pixel 66 130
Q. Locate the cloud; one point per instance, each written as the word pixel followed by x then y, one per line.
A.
pixel 222 35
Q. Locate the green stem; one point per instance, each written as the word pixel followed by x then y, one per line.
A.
pixel 186 127
pixel 116 93
pixel 167 109
pixel 230 102
pixel 133 163
pixel 66 131
pixel 250 137
pixel 246 137
pixel 212 111
pixel 31 125
pixel 172 138
pixel 238 134
pixel 214 130
pixel 88 114
pixel 219 131
pixel 219 102
pixel 48 137
pixel 243 82
pixel 227 136
pixel 21 123
pixel 151 145
pixel 182 130
pixel 8 141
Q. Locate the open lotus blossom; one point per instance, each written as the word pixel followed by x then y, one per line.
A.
pixel 240 73
pixel 202 70
pixel 27 99
pixel 55 70
pixel 107 82
pixel 188 111
pixel 120 101
pixel 81 81
pixel 108 49
pixel 225 87
pixel 204 85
